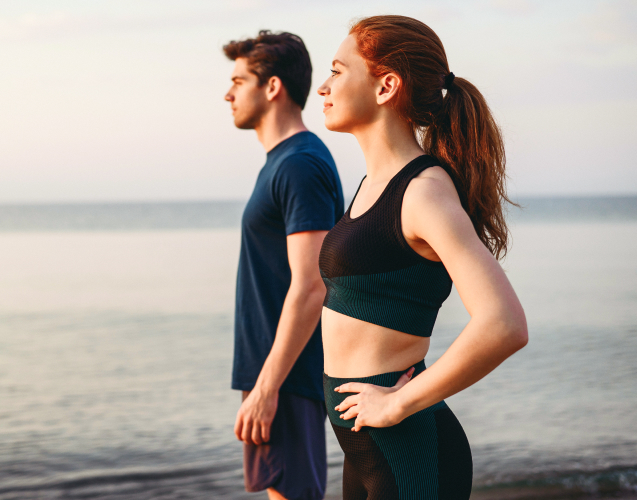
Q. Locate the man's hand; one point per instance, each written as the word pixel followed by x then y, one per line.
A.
pixel 254 419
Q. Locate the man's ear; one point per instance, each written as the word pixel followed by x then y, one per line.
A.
pixel 387 88
pixel 274 87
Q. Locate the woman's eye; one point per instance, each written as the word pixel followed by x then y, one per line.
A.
pixel 334 72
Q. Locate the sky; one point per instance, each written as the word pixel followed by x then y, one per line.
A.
pixel 123 100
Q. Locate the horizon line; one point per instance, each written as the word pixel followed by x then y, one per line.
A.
pixel 177 201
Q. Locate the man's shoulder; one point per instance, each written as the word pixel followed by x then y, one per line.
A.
pixel 306 145
pixel 307 154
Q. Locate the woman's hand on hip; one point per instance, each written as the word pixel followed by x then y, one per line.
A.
pixel 372 405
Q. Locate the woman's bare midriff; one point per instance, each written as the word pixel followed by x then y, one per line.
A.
pixel 355 348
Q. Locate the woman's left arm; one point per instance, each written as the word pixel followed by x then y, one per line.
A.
pixel 432 213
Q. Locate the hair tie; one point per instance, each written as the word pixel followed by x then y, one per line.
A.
pixel 448 80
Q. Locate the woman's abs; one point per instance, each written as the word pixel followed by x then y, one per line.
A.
pixel 355 348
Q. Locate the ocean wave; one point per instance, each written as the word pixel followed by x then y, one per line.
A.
pixel 613 482
pixel 221 480
pixel 224 481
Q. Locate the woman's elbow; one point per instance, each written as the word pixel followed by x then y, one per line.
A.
pixel 520 336
pixel 510 330
pixel 517 332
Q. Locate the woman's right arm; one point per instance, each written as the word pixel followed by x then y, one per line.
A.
pixel 497 329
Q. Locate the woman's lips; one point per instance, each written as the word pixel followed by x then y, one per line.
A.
pixel 326 107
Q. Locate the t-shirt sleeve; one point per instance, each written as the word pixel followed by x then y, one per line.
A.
pixel 304 192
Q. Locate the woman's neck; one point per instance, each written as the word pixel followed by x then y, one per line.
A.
pixel 388 144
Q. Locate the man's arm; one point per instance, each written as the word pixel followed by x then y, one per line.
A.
pixel 299 317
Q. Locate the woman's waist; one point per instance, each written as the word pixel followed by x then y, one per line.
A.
pixel 355 348
pixel 387 379
pixel 333 398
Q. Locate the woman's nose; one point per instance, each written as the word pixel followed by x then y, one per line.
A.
pixel 323 90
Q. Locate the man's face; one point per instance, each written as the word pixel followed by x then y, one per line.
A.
pixel 247 99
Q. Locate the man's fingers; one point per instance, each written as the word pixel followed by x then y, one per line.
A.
pixel 265 431
pixel 238 426
pixel 351 387
pixel 256 433
pixel 348 402
pixel 252 432
pixel 246 432
pixel 405 377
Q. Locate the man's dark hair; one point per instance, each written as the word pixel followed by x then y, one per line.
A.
pixel 276 54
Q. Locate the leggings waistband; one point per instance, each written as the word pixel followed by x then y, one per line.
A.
pixel 333 399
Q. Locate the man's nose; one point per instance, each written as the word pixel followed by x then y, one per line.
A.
pixel 229 97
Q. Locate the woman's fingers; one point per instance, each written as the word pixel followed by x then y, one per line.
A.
pixel 348 402
pixel 351 387
pixel 405 377
pixel 358 424
pixel 351 413
pixel 364 394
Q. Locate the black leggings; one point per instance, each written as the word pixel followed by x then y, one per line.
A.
pixel 424 457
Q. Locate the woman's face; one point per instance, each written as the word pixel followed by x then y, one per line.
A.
pixel 350 92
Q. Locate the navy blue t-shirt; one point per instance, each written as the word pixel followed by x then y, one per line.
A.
pixel 298 189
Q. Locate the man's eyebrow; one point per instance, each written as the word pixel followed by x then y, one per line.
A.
pixel 237 77
pixel 336 61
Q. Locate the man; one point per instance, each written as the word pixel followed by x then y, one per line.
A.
pixel 278 357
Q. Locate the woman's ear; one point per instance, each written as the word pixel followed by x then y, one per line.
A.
pixel 387 88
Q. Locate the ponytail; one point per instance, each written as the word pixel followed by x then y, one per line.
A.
pixel 465 137
pixel 457 128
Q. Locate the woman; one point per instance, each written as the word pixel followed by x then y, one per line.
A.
pixel 429 212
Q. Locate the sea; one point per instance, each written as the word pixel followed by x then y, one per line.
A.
pixel 116 340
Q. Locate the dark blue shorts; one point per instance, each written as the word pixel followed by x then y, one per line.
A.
pixel 294 462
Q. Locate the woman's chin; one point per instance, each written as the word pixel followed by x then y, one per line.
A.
pixel 333 126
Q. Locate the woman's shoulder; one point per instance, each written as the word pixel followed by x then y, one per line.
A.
pixel 431 188
pixel 431 206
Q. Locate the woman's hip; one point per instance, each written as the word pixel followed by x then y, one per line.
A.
pixel 427 454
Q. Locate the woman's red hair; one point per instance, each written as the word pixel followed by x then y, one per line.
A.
pixel 457 128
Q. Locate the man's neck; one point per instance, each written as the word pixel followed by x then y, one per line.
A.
pixel 278 125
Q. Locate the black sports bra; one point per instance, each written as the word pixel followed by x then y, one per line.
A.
pixel 372 274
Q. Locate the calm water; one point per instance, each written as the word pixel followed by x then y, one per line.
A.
pixel 116 344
